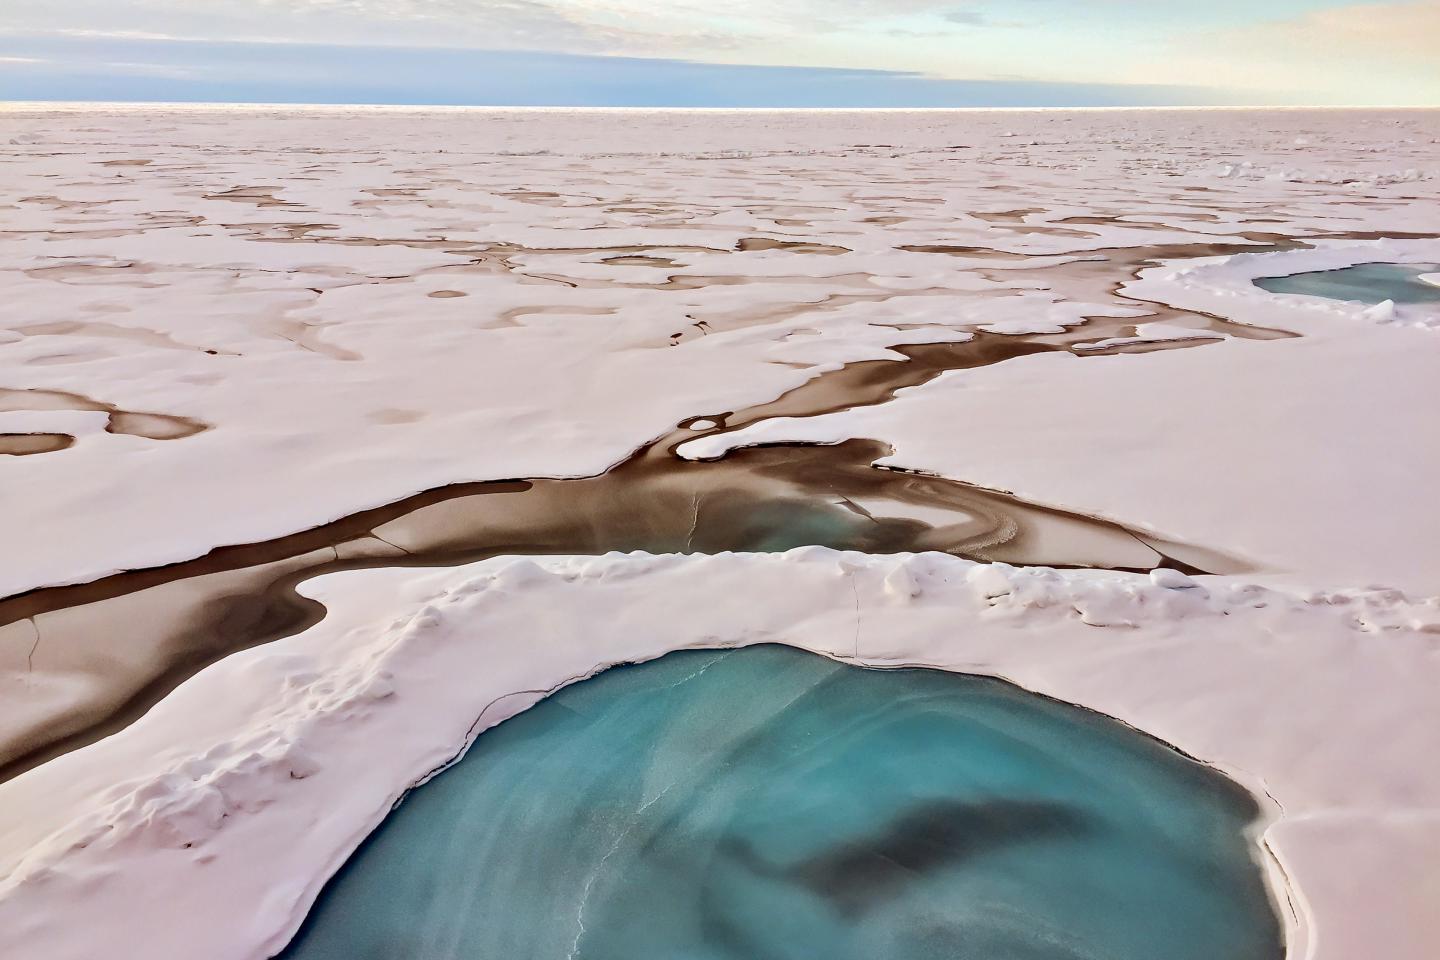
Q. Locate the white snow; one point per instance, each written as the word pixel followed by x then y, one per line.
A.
pixel 1171 579
pixel 1153 333
pixel 1382 312
pixel 1226 286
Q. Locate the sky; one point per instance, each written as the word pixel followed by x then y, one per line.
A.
pixel 748 53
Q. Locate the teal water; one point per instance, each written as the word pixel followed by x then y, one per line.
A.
pixel 1365 282
pixel 768 804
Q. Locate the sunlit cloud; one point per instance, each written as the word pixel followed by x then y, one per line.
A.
pixel 1370 53
pixel 1324 51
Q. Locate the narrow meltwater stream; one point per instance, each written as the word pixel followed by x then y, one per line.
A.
pixel 104 652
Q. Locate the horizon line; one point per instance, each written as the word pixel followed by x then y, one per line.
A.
pixel 400 107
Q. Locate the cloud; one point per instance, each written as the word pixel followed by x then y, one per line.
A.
pixel 1362 53
pixel 1372 52
pixel 95 68
pixel 967 18
pixel 530 24
pixel 1408 30
pixel 609 26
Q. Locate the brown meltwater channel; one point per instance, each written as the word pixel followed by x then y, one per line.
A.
pixel 103 652
pixel 131 638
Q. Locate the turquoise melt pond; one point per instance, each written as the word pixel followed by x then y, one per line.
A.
pixel 770 804
pixel 1365 283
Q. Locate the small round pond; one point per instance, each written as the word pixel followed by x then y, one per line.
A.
pixel 769 804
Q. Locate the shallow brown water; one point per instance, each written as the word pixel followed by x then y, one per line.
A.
pixel 151 426
pixel 25 444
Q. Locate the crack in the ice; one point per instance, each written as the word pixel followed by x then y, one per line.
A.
pixel 635 819
pixel 856 593
pixel 30 657
pixel 389 544
pixel 858 510
pixel 694 520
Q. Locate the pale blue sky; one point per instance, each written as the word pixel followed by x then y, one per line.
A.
pixel 709 52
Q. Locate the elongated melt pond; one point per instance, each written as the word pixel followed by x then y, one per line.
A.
pixel 1364 282
pixel 769 803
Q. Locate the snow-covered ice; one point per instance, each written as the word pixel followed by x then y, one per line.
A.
pixel 1277 449
pixel 280 275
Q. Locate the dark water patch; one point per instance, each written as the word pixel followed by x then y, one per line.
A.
pixel 753 244
pixel 28 444
pixel 150 426
pixel 870 382
pixel 768 803
pixel 863 874
pixel 1363 283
